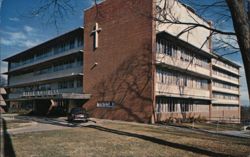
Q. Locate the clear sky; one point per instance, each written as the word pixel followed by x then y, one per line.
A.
pixel 20 31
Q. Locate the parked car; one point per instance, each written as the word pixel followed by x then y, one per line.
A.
pixel 78 114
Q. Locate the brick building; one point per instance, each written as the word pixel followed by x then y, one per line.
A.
pixel 136 69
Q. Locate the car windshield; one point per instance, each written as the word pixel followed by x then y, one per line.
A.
pixel 77 111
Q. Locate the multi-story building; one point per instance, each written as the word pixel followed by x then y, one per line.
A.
pixel 225 89
pixel 134 68
pixel 182 79
pixel 51 71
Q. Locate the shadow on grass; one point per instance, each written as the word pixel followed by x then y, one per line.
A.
pixel 161 142
pixel 8 147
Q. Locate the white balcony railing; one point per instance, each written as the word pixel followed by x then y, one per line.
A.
pixel 30 78
pixel 229 69
pixel 162 58
pixel 171 90
pixel 234 81
pixel 225 101
pixel 51 57
pixel 224 90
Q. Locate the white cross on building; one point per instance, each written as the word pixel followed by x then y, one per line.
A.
pixel 96 31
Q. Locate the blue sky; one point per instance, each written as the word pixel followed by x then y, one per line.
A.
pixel 19 31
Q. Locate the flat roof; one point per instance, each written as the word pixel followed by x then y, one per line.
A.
pixel 30 50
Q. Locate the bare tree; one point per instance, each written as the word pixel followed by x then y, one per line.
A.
pixel 241 23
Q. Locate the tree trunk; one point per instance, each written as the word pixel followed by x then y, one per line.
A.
pixel 242 30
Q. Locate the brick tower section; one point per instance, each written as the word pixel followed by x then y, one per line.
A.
pixel 120 69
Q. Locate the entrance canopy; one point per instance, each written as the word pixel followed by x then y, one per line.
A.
pixel 72 96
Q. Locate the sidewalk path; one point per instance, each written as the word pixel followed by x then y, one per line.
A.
pixel 44 124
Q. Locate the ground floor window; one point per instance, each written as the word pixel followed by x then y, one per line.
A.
pixel 166 105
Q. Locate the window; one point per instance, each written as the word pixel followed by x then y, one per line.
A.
pixel 226 86
pixel 79 42
pixel 170 105
pixel 204 84
pixel 66 84
pixel 58 67
pixel 69 64
pixel 62 85
pixel 165 105
pixel 225 96
pixel 71 84
pixel 41 55
pixel 72 44
pixel 105 104
pixel 45 70
pixel 170 77
pixel 79 61
pixel 168 48
pixel 79 83
pixel 186 106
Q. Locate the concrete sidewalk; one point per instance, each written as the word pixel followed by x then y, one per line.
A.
pixel 237 134
pixel 243 134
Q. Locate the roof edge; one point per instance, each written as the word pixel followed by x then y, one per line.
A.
pixel 44 42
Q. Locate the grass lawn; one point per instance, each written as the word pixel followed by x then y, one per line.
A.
pixel 126 139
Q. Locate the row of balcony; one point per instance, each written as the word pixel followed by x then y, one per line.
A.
pixel 185 92
pixel 224 67
pixel 30 78
pixel 175 91
pixel 223 90
pixel 165 59
pixel 233 81
pixel 48 58
pixel 162 58
pixel 225 101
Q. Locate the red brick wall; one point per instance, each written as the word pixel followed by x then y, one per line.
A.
pixel 124 71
